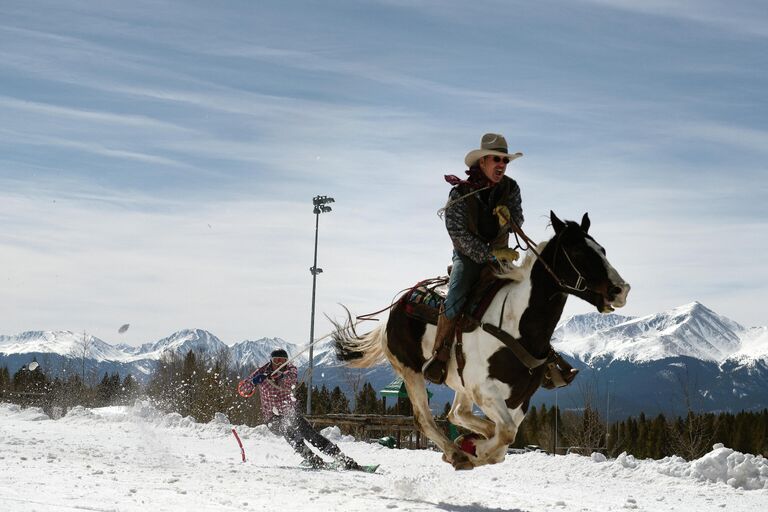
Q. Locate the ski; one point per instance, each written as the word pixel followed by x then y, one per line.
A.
pixel 335 466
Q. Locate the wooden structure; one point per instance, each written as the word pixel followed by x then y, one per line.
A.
pixel 375 426
pixel 367 427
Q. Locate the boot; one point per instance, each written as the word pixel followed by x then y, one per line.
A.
pixel 435 369
pixel 348 463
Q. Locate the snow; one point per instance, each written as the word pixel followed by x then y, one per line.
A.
pixel 754 345
pixel 137 458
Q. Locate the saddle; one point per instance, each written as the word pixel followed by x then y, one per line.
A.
pixel 425 300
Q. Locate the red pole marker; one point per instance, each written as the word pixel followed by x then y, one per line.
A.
pixel 242 450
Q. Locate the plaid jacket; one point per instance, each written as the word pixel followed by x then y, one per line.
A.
pixel 277 394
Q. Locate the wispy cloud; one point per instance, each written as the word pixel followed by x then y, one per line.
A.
pixel 48 111
pixel 745 18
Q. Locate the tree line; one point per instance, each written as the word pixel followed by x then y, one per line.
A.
pixel 201 385
pixel 690 437
pixel 33 387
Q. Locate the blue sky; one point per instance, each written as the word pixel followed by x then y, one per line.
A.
pixel 158 159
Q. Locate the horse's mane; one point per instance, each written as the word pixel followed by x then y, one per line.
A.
pixel 519 272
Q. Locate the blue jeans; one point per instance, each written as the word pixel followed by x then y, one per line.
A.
pixel 464 275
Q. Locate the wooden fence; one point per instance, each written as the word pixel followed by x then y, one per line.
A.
pixel 367 427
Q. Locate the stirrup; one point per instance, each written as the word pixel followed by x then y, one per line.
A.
pixel 435 370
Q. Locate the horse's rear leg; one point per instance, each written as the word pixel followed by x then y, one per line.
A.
pixel 461 415
pixel 417 392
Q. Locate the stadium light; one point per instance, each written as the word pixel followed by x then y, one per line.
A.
pixel 321 206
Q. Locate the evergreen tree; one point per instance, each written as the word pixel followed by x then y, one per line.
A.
pixel 301 396
pixel 5 379
pixel 339 403
pixel 611 442
pixel 641 441
pixel 366 401
pixel 129 390
pixel 656 447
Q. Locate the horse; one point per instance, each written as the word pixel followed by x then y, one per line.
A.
pixel 526 311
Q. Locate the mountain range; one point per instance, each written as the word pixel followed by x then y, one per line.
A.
pixel 687 357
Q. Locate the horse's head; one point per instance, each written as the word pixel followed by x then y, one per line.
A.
pixel 582 267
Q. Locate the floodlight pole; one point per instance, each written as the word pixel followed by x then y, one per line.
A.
pixel 320 203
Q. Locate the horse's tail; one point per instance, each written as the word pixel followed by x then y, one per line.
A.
pixel 358 351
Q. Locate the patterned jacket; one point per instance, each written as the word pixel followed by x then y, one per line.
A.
pixel 277 393
pixel 471 224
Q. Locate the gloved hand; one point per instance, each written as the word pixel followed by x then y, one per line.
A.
pixel 502 212
pixel 258 378
pixel 505 255
pixel 276 375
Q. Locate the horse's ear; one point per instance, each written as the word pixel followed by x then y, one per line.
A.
pixel 585 223
pixel 556 223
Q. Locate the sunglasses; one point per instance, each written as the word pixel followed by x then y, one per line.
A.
pixel 498 159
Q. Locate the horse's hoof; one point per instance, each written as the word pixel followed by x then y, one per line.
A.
pixel 463 466
pixel 461 462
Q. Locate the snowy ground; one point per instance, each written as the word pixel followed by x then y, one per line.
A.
pixel 135 458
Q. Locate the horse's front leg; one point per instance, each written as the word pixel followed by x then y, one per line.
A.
pixel 494 449
pixel 417 392
pixel 461 415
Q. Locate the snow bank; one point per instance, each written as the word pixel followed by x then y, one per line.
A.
pixel 29 413
pixel 736 469
pixel 739 470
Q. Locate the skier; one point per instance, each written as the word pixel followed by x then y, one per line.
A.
pixel 478 216
pixel 276 381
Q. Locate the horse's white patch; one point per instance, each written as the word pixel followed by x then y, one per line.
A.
pixel 613 275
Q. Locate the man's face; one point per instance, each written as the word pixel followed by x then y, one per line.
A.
pixel 277 361
pixel 493 167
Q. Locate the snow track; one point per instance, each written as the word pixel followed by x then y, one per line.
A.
pixel 136 458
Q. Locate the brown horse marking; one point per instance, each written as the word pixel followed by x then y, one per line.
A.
pixel 404 335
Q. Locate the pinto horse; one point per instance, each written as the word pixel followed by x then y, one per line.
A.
pixel 527 310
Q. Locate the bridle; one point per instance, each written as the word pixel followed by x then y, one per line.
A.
pixel 579 286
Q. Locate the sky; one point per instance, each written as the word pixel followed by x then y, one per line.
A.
pixel 136 458
pixel 158 159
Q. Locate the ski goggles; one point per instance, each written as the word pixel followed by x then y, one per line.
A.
pixel 277 361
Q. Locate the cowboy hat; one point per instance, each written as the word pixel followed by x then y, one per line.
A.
pixel 490 144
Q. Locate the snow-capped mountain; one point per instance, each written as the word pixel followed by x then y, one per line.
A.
pixel 691 330
pixel 63 351
pixel 65 343
pixel 182 342
pixel 582 326
pixel 667 361
pixel 254 353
